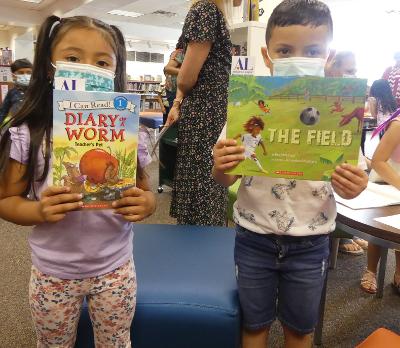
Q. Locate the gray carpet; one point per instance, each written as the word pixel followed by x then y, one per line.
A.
pixel 350 314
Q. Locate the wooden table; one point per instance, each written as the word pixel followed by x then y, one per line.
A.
pixel 361 223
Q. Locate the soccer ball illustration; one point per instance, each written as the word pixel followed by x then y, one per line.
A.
pixel 310 116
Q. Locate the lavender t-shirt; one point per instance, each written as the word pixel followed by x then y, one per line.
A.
pixel 82 245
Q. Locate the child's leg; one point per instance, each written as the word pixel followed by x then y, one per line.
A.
pixel 255 159
pixel 55 308
pixel 294 340
pixel 255 339
pixel 303 265
pixel 257 278
pixel 112 302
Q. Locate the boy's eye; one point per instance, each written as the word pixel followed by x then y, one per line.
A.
pixel 72 59
pixel 283 51
pixel 313 52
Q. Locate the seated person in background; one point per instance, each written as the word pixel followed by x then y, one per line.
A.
pixel 171 71
pixel 386 162
pixel 21 70
pixel 343 64
pixel 392 75
pixel 381 102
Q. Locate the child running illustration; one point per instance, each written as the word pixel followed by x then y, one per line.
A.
pixel 252 139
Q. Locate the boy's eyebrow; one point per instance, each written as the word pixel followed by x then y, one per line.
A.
pixel 282 44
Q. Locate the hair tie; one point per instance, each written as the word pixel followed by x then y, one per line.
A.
pixel 52 27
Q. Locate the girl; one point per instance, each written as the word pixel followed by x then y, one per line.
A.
pixel 75 254
pixel 386 162
pixel 381 102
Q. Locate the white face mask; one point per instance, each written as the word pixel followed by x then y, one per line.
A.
pixel 299 66
pixel 349 76
pixel 23 80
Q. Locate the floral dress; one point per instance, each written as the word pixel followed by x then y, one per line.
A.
pixel 196 198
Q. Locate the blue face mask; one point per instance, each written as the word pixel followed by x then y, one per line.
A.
pixel 299 66
pixel 76 76
pixel 23 80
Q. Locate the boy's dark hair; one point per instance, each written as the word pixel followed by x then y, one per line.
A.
pixel 299 12
pixel 20 64
pixel 37 109
pixel 254 121
pixel 382 92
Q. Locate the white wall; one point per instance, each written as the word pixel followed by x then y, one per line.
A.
pixel 137 69
pixel 4 39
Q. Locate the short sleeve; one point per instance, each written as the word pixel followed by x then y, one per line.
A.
pixel 20 139
pixel 201 22
pixel 144 156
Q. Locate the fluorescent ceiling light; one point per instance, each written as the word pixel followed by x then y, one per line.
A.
pixel 34 1
pixel 125 13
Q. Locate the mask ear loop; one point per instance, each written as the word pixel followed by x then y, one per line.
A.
pixel 53 26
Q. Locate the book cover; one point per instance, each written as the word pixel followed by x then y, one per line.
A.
pixel 95 138
pixel 295 127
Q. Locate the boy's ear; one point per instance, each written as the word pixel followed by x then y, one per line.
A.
pixel 267 59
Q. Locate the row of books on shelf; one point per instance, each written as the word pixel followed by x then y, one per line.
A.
pixel 252 10
pixel 149 105
pixel 141 86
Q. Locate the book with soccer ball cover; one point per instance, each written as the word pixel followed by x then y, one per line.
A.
pixel 95 138
pixel 295 127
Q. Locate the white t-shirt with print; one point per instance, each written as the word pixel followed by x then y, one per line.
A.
pixel 250 144
pixel 285 207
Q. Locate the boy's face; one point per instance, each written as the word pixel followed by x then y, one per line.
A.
pixel 22 71
pixel 297 41
pixel 256 131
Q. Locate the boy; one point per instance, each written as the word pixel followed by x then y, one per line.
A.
pixel 281 253
pixel 21 70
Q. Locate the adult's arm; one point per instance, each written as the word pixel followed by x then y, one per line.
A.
pixel 195 56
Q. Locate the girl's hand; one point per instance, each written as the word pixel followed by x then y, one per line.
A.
pixel 349 181
pixel 227 155
pixel 173 116
pixel 135 205
pixel 56 201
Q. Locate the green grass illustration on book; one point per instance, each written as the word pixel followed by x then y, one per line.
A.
pixel 295 127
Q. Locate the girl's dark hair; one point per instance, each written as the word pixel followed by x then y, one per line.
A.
pixel 180 43
pixel 299 12
pixel 254 121
pixel 382 92
pixel 37 109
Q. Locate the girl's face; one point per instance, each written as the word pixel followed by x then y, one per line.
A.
pixel 256 131
pixel 85 46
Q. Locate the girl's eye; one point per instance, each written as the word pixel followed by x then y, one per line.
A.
pixel 72 59
pixel 103 63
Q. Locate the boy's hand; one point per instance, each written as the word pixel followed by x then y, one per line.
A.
pixel 56 201
pixel 135 205
pixel 349 181
pixel 227 155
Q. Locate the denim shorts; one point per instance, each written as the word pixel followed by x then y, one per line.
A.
pixel 280 277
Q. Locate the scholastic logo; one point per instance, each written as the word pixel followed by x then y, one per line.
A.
pixel 286 172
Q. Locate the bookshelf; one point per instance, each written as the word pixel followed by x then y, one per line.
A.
pixel 250 37
pixel 150 91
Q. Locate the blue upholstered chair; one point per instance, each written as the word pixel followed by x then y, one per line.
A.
pixel 187 295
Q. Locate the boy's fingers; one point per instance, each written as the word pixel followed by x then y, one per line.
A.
pixel 132 210
pixel 225 142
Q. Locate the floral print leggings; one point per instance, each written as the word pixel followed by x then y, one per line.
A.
pixel 56 305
